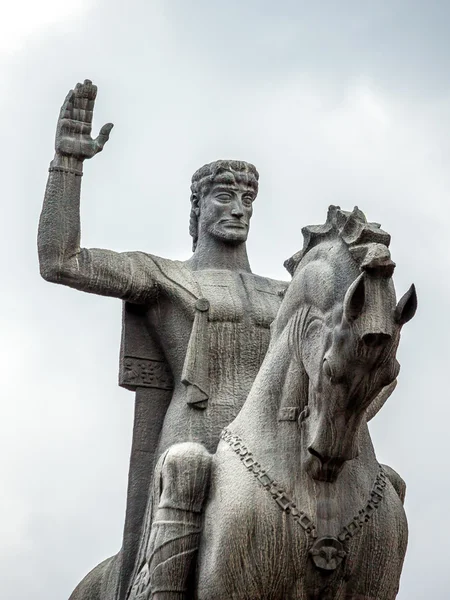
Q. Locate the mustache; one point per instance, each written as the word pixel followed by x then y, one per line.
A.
pixel 235 220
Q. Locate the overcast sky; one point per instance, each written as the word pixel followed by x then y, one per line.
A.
pixel 335 103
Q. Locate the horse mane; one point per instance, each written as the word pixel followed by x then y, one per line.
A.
pixel 367 243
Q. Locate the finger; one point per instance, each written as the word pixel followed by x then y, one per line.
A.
pixel 65 106
pixel 65 112
pixel 84 101
pixel 80 114
pixel 85 90
pixel 69 110
pixel 103 136
pixel 74 126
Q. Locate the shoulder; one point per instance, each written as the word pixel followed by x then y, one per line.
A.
pixel 278 284
pixel 274 286
pixel 147 259
pixel 172 276
pixel 156 265
pixel 397 482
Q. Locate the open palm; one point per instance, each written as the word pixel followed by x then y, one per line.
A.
pixel 73 133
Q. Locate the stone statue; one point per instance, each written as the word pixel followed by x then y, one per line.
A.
pixel 195 332
pixel 291 504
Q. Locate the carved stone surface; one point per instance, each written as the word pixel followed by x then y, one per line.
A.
pixel 141 372
pixel 292 503
pixel 194 332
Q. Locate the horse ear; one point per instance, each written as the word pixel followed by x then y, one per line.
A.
pixel 354 299
pixel 407 306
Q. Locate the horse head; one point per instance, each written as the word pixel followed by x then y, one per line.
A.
pixel 344 327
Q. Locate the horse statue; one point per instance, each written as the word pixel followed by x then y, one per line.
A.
pixel 294 504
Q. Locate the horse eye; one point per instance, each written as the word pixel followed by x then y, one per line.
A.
pixel 327 369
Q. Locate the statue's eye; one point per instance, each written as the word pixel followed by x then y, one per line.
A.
pixel 247 200
pixel 223 197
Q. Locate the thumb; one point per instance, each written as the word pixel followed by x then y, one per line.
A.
pixel 103 136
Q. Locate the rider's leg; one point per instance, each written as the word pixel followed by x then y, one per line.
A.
pixel 176 527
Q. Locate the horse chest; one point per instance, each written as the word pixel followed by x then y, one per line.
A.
pixel 256 551
pixel 251 549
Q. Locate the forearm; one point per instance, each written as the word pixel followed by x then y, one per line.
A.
pixel 127 275
pixel 131 276
pixel 59 225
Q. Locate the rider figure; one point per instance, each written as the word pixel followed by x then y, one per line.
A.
pixel 209 314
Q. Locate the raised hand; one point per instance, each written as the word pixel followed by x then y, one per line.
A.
pixel 73 133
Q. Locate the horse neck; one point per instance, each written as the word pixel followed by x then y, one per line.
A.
pixel 280 387
pixel 278 446
pixel 354 483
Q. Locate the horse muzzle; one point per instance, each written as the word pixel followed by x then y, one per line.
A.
pixel 326 466
pixel 323 468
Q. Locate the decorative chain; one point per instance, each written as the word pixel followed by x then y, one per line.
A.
pixel 264 479
pixel 376 496
pixel 288 505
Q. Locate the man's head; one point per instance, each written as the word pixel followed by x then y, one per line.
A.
pixel 222 194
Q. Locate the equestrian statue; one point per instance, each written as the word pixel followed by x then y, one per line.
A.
pixel 252 472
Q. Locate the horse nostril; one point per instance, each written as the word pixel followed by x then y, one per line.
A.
pixel 374 340
pixel 323 459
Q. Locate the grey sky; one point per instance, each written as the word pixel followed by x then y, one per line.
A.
pixel 334 102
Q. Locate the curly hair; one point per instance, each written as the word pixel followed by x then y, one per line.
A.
pixel 219 171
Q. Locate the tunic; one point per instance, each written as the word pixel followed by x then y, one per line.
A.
pixel 242 307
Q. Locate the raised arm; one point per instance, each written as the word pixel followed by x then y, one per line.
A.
pixel 130 275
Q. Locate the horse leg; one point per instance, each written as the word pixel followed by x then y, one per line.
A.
pixel 175 533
